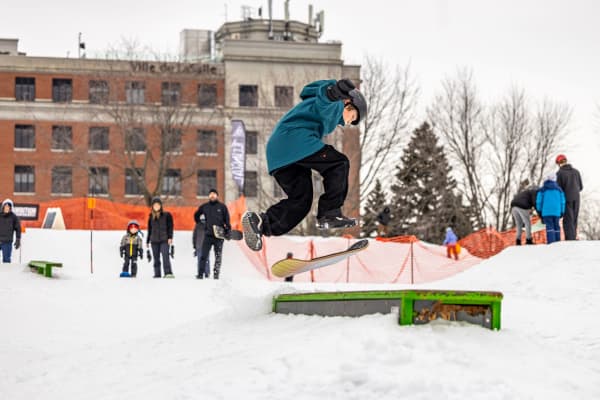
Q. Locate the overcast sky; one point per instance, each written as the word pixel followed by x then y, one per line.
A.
pixel 551 48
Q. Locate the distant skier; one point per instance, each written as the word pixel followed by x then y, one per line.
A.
pixel 216 214
pixel 10 225
pixel 451 242
pixel 383 220
pixel 550 205
pixel 295 148
pixel 569 180
pixel 131 248
pixel 160 235
pixel 522 204
pixel 197 240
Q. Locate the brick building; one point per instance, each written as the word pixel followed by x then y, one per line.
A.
pixel 79 127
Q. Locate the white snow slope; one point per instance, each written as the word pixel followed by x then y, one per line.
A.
pixel 84 336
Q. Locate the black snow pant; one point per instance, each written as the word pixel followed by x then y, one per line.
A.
pixel 207 243
pixel 296 181
pixel 158 249
pixel 130 260
pixel 570 219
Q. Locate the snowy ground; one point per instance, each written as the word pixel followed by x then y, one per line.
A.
pixel 83 336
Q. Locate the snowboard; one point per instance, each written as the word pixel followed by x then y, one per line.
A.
pixel 219 233
pixel 292 266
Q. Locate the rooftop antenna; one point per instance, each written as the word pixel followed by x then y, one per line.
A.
pixel 287 10
pixel 270 19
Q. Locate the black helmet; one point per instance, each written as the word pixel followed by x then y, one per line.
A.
pixel 360 103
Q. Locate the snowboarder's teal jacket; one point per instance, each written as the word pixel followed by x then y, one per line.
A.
pixel 299 133
pixel 550 200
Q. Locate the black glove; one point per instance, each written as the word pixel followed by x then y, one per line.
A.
pixel 172 252
pixel 341 90
pixel 141 252
pixel 122 248
pixel 195 253
pixel 148 255
pixel 17 243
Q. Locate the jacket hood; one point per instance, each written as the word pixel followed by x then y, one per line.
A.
pixel 312 89
pixel 548 184
pixel 566 166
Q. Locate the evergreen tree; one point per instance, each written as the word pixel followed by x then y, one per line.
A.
pixel 424 200
pixel 375 204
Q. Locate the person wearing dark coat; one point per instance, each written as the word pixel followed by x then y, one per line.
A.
pixel 197 241
pixel 569 180
pixel 216 214
pixel 9 225
pixel 160 236
pixel 383 220
pixel 521 206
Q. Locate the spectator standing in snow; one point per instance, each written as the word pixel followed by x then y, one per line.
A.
pixel 216 215
pixel 450 242
pixel 197 240
pixel 522 204
pixel 9 225
pixel 550 205
pixel 160 236
pixel 569 180
pixel 383 220
pixel 131 248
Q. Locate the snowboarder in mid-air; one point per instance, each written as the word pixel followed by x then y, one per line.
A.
pixel 295 148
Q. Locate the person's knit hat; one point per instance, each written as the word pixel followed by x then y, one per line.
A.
pixel 9 202
pixel 156 200
pixel 551 176
pixel 213 190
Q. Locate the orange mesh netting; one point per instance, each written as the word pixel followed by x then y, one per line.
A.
pixel 108 215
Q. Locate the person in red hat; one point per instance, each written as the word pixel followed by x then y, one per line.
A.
pixel 569 180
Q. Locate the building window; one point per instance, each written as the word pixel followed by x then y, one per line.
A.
pixel 207 179
pixel 24 137
pixel 135 140
pixel 24 179
pixel 131 181
pixel 172 140
pixel 250 184
pixel 98 181
pixel 62 90
pixel 171 183
pixel 206 142
pixel 248 96
pixel 284 96
pixel 171 92
pixel 62 138
pixel 251 142
pixel 135 92
pixel 25 89
pixel 98 92
pixel 62 180
pixel 207 95
pixel 98 138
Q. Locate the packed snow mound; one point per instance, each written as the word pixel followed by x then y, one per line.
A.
pixel 101 337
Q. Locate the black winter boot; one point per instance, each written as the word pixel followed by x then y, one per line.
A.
pixel 518 242
pixel 529 241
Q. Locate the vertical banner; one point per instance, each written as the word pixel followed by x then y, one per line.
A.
pixel 238 153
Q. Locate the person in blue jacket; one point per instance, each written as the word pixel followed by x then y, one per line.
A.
pixel 550 206
pixel 450 242
pixel 295 148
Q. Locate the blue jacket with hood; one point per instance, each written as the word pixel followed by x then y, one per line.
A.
pixel 299 133
pixel 550 200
